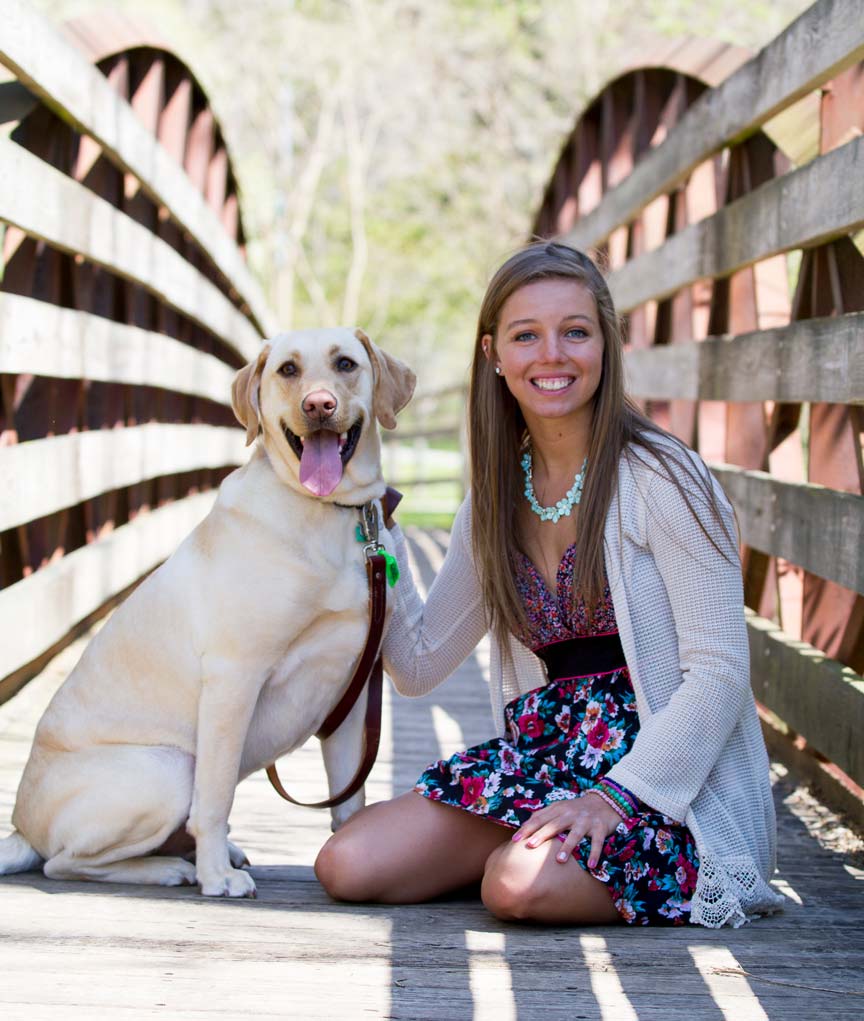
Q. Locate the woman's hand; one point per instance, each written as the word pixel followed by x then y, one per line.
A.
pixel 587 816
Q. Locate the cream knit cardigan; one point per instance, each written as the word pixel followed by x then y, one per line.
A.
pixel 699 756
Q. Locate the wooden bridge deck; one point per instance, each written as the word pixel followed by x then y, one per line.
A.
pixel 70 951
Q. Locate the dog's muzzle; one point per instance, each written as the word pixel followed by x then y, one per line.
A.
pixel 323 454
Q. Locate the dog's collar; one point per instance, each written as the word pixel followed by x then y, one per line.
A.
pixel 389 502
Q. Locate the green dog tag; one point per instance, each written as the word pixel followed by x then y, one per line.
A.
pixel 392 568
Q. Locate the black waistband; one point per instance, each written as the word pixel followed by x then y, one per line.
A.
pixel 576 657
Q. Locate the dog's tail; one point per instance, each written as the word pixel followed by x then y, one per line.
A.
pixel 16 855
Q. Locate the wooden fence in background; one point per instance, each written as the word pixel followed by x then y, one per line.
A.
pixel 125 308
pixel 728 208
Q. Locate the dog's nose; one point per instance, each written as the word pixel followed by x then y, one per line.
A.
pixel 320 405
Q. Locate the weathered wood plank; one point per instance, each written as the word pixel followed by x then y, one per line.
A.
pixel 43 476
pixel 64 343
pixel 809 360
pixel 93 951
pixel 827 38
pixel 816 696
pixel 39 610
pixel 805 207
pixel 819 776
pixel 444 480
pixel 48 205
pixel 821 530
pixel 62 78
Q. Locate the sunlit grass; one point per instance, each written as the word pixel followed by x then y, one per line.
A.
pixel 425 519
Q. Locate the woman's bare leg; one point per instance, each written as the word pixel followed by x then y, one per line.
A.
pixel 528 884
pixel 406 850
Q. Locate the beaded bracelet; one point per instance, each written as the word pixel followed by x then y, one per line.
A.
pixel 621 794
pixel 621 800
pixel 612 804
pixel 615 798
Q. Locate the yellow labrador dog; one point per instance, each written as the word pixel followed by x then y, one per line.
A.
pixel 235 650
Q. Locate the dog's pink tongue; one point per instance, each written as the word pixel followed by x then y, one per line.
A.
pixel 321 465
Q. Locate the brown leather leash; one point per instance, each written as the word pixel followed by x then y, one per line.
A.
pixel 369 668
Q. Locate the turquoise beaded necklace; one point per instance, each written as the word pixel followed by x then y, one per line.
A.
pixel 567 502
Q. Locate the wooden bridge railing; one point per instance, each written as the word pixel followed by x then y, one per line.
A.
pixel 709 206
pixel 125 307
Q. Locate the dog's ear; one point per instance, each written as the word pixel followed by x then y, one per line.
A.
pixel 244 394
pixel 394 382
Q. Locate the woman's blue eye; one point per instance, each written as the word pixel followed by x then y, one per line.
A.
pixel 575 332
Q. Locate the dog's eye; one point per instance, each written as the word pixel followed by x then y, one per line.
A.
pixel 287 369
pixel 345 364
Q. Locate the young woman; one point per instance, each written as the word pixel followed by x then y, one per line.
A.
pixel 630 780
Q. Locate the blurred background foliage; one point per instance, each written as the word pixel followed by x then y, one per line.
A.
pixel 390 153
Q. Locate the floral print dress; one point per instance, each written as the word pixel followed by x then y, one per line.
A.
pixel 560 740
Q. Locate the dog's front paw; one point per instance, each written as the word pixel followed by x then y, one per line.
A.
pixel 233 883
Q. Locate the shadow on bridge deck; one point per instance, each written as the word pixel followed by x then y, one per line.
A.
pixel 73 951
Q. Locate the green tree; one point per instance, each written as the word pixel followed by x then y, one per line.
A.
pixel 391 152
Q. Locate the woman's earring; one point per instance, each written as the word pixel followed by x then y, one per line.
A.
pixel 497 370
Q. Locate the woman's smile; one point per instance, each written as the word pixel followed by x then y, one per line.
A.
pixel 552 383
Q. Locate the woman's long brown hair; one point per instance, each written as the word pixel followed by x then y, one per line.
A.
pixel 498 435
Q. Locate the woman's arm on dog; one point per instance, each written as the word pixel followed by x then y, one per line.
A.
pixel 425 642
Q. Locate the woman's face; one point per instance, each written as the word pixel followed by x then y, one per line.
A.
pixel 549 348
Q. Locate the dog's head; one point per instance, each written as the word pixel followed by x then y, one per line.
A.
pixel 315 395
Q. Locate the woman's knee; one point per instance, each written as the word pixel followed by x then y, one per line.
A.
pixel 509 891
pixel 345 868
pixel 522 885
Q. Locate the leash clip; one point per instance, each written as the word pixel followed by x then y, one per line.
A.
pixel 367 533
pixel 369 529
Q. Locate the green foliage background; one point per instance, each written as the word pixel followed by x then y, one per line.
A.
pixel 434 123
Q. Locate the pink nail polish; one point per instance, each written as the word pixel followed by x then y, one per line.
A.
pixel 516 836
pixel 562 856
